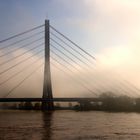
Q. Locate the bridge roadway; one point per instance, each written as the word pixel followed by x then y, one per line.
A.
pixel 48 100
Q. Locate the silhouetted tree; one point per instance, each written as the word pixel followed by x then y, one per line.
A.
pixel 137 104
pixel 111 102
pixel 21 105
pixel 28 105
pixel 37 106
pixel 57 106
pixel 70 105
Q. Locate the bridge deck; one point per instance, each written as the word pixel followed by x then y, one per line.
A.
pixel 48 100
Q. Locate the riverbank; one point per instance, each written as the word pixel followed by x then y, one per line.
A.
pixel 108 102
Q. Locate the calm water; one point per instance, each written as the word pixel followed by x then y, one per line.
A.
pixel 68 125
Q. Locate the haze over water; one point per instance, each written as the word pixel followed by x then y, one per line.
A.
pixel 70 125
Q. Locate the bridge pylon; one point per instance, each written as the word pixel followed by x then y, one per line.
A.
pixel 47 87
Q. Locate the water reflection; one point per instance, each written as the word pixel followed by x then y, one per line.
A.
pixel 47 118
pixel 68 125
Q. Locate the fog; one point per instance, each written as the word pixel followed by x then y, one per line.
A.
pixel 115 70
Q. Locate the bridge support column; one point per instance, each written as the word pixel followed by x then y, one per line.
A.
pixel 47 88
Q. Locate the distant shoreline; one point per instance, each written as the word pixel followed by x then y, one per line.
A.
pixel 108 103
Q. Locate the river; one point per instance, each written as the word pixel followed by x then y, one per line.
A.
pixel 68 125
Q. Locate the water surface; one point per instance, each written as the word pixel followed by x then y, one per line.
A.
pixel 68 125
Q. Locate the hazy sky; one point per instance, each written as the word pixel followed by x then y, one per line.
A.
pixel 108 29
pixel 94 24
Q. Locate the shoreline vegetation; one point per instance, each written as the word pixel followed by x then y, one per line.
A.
pixel 110 102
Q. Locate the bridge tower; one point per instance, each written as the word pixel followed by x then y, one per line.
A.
pixel 47 87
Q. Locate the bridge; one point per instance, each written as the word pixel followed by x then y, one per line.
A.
pixel 49 100
pixel 58 51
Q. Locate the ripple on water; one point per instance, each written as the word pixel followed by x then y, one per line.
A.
pixel 68 125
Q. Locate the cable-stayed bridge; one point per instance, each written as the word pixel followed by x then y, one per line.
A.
pixel 18 54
